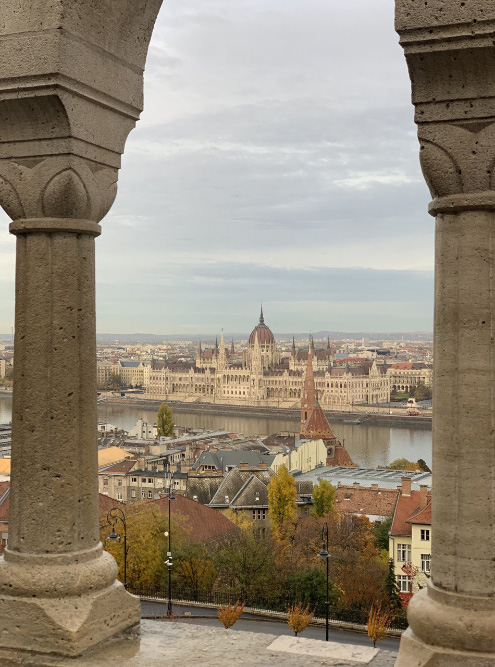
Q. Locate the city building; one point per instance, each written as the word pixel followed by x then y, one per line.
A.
pixel 410 538
pixel 261 377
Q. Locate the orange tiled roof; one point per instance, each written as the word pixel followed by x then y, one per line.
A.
pixel 422 516
pixel 206 523
pixel 366 500
pixel 120 468
pixel 405 508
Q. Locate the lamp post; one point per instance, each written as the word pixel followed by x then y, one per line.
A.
pixel 168 562
pixel 325 554
pixel 114 515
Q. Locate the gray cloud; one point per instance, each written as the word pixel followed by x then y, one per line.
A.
pixel 276 157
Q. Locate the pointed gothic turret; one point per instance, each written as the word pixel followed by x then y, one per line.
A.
pixel 314 424
pixel 262 319
pixel 293 349
pixel 232 349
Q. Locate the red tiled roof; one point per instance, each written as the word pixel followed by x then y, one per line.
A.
pixel 366 500
pixel 106 503
pixel 405 508
pixel 120 468
pixel 423 516
pixel 206 523
pixel 407 366
pixel 4 506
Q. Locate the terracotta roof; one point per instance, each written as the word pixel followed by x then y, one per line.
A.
pixel 404 366
pixel 4 500
pixel 366 500
pixel 206 523
pixel 110 455
pixel 317 426
pixel 106 503
pixel 405 508
pixel 423 516
pixel 120 468
pixel 4 466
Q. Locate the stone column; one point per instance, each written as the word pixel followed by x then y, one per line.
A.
pixel 450 53
pixel 70 92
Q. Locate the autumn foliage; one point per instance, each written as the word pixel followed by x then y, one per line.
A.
pixel 299 617
pixel 378 624
pixel 230 614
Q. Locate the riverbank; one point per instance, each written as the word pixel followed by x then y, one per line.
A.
pixel 292 414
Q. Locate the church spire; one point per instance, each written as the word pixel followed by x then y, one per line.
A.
pixel 232 349
pixel 314 424
pixel 262 319
pixel 293 350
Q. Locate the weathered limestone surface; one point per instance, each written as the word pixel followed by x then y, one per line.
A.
pixel 178 644
pixel 71 76
pixel 450 53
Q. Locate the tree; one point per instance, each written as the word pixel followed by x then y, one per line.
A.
pixel 229 614
pixel 422 392
pixel 281 501
pixel 299 617
pixel 165 423
pixel 194 569
pixel 423 465
pixel 380 531
pixel 392 587
pixel 323 498
pixel 402 464
pixel 114 381
pixel 378 624
pixel 245 564
pixel 310 587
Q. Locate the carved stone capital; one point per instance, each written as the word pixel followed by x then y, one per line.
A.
pixel 71 90
pixel 450 54
pixel 63 186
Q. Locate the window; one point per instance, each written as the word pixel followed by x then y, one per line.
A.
pixel 119 496
pixel 133 494
pixel 306 511
pixel 143 493
pixel 119 482
pixel 133 479
pixel 150 494
pixel 404 553
pixel 425 534
pixel 259 514
pixel 150 480
pixel 404 582
pixel 425 562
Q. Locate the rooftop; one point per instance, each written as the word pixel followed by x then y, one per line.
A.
pixel 385 478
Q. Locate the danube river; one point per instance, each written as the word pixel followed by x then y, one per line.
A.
pixel 369 445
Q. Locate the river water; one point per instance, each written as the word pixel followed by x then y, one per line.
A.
pixel 369 445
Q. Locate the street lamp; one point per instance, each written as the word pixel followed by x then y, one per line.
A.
pixel 114 515
pixel 325 554
pixel 168 562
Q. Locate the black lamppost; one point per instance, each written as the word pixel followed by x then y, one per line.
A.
pixel 324 554
pixel 168 562
pixel 114 515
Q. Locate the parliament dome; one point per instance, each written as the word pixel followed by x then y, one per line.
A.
pixel 262 332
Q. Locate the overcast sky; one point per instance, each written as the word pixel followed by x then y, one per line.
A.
pixel 276 159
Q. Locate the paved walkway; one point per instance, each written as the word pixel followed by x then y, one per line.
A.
pixel 179 644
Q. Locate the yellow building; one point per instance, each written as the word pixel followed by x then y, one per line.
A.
pixel 306 457
pixel 410 538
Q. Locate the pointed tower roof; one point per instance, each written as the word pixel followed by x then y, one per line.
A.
pixel 293 350
pixel 262 319
pixel 314 424
pixel 232 349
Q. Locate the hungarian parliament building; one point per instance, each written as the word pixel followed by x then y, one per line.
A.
pixel 260 376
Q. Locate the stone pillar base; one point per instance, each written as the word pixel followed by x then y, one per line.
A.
pixel 63 626
pixel 415 653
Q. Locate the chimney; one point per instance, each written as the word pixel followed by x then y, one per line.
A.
pixel 423 496
pixel 374 486
pixel 356 485
pixel 263 466
pixel 141 464
pixel 243 466
pixel 406 486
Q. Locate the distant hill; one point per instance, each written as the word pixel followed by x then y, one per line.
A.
pixel 210 338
